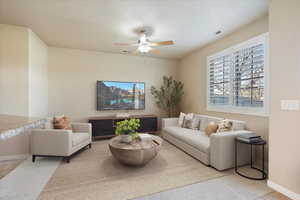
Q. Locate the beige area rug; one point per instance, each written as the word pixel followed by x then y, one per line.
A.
pixel 95 174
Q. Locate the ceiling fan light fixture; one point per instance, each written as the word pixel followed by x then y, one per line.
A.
pixel 143 39
pixel 144 48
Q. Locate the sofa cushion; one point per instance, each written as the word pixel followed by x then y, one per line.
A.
pixel 78 138
pixel 238 125
pixel 205 120
pixel 195 138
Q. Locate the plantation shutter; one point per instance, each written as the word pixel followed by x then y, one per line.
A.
pixel 219 80
pixel 248 77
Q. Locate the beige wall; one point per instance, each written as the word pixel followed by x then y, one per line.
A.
pixel 192 71
pixel 284 159
pixel 13 70
pixel 23 81
pixel 38 76
pixel 73 75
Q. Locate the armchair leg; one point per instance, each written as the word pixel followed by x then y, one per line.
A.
pixel 90 145
pixel 33 158
pixel 67 159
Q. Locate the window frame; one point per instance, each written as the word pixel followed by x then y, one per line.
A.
pixel 259 111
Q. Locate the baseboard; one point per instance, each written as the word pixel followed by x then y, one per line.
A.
pixel 283 190
pixel 14 157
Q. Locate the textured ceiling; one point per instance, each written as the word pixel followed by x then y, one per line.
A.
pixel 97 24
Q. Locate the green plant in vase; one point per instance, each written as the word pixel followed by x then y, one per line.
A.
pixel 127 129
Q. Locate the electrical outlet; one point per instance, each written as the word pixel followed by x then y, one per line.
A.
pixel 289 104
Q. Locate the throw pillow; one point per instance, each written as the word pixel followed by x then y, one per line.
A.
pixel 58 123
pixel 225 125
pixel 181 119
pixel 67 123
pixel 61 122
pixel 188 121
pixel 196 123
pixel 211 128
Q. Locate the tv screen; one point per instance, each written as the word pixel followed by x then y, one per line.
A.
pixel 114 95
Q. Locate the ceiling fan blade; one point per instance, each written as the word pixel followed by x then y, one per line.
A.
pixel 125 44
pixel 163 43
pixel 155 51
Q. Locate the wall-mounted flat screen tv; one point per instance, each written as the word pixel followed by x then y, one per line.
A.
pixel 115 95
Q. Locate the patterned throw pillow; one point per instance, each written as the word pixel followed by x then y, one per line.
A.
pixel 225 125
pixel 188 121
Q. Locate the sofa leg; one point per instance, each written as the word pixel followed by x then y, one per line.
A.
pixel 90 145
pixel 33 158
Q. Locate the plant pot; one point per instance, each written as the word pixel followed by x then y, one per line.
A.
pixel 126 138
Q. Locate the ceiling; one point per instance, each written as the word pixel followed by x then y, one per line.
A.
pixel 97 24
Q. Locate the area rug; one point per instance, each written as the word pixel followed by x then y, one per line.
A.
pixel 27 181
pixel 95 174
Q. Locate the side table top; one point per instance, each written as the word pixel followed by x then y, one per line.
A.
pixel 136 144
pixel 260 142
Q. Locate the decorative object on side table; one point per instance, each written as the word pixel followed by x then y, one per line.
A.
pixel 252 140
pixel 136 153
pixel 168 96
pixel 126 129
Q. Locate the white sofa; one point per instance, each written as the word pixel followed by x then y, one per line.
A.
pixel 64 143
pixel 216 150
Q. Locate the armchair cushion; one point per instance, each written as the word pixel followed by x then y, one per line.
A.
pixel 81 127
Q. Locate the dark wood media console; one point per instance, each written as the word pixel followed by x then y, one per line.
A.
pixel 104 127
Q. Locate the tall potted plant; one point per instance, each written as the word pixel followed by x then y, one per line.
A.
pixel 127 129
pixel 168 96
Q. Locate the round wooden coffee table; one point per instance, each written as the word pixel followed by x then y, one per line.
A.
pixel 135 153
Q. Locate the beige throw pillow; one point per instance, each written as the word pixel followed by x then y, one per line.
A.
pixel 181 119
pixel 211 128
pixel 61 123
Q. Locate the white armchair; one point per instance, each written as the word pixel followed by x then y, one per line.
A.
pixel 60 143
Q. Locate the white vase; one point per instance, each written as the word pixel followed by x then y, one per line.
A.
pixel 126 138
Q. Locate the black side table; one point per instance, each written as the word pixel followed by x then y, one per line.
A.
pixel 258 143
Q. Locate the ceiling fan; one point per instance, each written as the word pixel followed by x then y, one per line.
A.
pixel 144 45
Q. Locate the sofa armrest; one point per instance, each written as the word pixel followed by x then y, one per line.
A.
pixel 51 142
pixel 165 122
pixel 222 150
pixel 82 128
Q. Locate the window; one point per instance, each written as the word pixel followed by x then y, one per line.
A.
pixel 237 80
